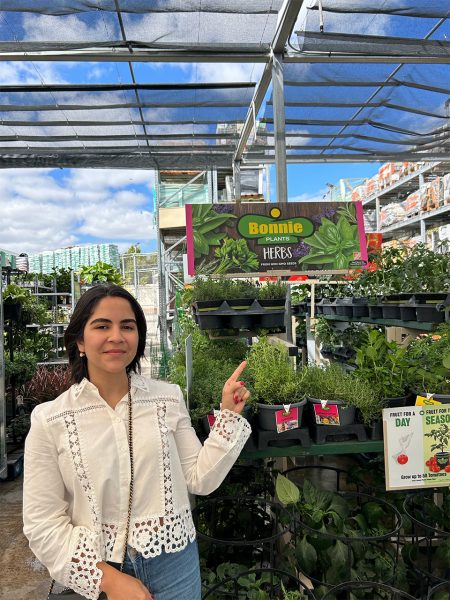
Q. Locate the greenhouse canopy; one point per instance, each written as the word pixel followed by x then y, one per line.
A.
pixel 332 80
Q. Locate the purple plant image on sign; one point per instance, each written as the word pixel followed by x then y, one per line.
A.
pixel 265 237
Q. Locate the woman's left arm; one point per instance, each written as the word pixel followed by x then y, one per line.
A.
pixel 205 467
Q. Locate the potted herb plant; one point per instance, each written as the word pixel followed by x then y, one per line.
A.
pixel 384 367
pixel 429 359
pixel 335 395
pixel 274 383
pixel 272 294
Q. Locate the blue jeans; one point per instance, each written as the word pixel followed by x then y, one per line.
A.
pixel 169 576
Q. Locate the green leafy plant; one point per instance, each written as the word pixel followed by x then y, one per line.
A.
pixel 271 375
pixel 383 365
pixel 235 256
pixel 333 244
pixel 333 383
pixel 22 367
pixel 252 586
pixel 100 273
pixel 273 290
pixel 205 221
pixel 396 269
pixel 327 556
pixel 208 288
pixel 429 359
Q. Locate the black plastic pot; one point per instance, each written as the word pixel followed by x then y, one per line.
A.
pixel 276 303
pixel 344 307
pixel 240 303
pixel 242 321
pixel 375 430
pixel 360 307
pixel 429 313
pixel 328 306
pixel 212 321
pixel 202 305
pixel 397 401
pixel 391 311
pixel 408 312
pixel 375 311
pixel 274 318
pixel 265 417
pixel 345 413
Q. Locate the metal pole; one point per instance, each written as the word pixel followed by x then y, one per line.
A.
pixel 135 275
pixel 237 179
pixel 161 282
pixel 279 127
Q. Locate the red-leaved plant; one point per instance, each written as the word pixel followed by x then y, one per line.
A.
pixel 47 383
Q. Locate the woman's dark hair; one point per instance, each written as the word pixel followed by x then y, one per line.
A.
pixel 83 310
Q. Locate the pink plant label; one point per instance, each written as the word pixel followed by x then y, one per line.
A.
pixel 211 420
pixel 286 420
pixel 327 414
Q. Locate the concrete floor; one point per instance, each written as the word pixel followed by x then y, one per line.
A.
pixel 22 577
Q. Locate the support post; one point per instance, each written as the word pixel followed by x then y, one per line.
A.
pixel 279 127
pixel 237 179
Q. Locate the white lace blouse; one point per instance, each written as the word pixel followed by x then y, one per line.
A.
pixel 77 477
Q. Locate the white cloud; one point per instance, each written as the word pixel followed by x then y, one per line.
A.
pixel 45 209
pixel 226 72
pixel 319 196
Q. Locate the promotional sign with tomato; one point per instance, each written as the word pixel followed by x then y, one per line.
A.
pixel 417 446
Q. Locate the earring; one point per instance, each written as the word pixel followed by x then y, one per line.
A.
pixel 82 354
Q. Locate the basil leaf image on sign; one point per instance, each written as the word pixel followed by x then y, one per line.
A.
pixel 204 221
pixel 333 244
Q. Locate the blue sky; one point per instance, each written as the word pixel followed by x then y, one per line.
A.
pixel 53 208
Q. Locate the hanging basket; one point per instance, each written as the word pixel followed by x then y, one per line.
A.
pixel 427 523
pixel 241 530
pixel 440 592
pixel 269 581
pixel 343 591
pixel 339 556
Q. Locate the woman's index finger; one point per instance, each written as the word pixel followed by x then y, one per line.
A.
pixel 238 371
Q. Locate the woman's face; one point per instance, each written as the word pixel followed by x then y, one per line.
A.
pixel 110 337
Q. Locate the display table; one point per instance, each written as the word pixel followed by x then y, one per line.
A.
pixel 348 447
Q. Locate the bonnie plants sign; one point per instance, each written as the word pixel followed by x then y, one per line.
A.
pixel 264 237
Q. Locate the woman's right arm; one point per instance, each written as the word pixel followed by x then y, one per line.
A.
pixel 72 554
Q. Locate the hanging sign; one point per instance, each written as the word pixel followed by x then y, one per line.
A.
pixel 264 237
pixel 417 446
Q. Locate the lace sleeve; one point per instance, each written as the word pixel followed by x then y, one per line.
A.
pixel 84 576
pixel 231 430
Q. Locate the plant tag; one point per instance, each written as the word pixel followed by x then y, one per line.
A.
pixel 426 401
pixel 326 414
pixel 324 403
pixel 286 419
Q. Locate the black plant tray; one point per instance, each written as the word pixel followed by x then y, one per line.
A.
pixel 272 439
pixel 226 317
pixel 324 433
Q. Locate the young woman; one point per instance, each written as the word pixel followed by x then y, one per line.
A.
pixel 79 463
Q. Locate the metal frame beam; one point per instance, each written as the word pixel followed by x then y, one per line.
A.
pixel 288 15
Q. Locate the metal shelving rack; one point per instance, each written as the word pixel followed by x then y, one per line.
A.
pixel 399 190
